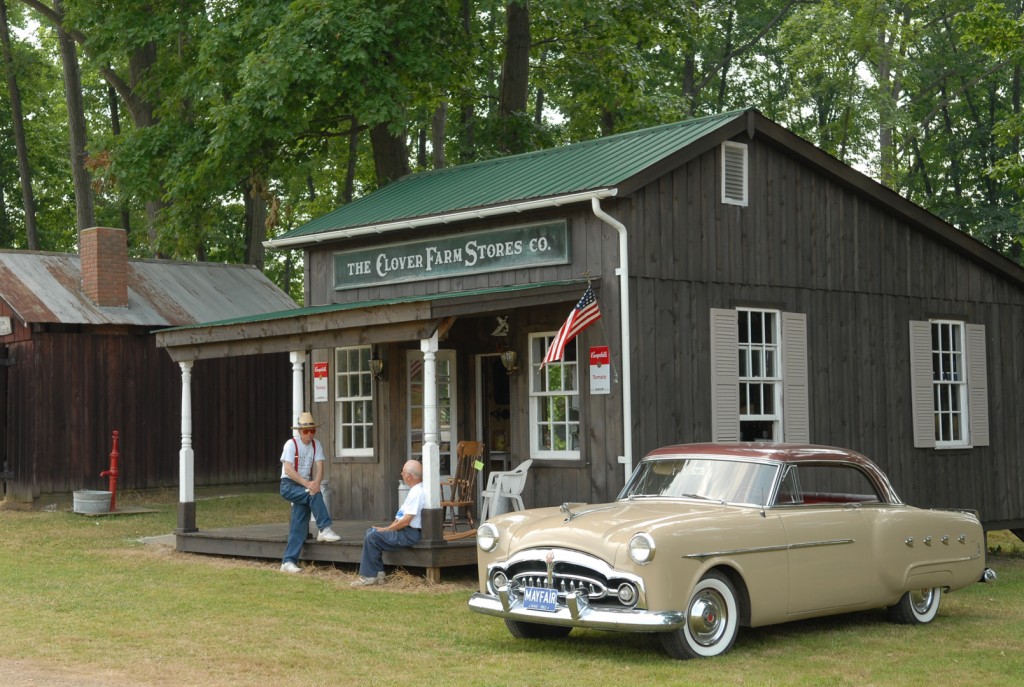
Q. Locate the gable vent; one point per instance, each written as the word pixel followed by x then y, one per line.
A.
pixel 734 173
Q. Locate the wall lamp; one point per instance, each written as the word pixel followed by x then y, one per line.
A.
pixel 510 361
pixel 376 369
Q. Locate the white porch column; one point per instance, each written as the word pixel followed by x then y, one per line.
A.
pixel 298 359
pixel 431 449
pixel 186 457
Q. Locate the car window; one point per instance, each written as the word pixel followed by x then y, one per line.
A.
pixel 731 481
pixel 832 483
pixel 789 490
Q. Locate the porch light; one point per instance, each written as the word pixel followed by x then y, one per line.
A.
pixel 376 369
pixel 510 361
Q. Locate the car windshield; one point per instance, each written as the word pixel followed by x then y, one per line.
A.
pixel 730 481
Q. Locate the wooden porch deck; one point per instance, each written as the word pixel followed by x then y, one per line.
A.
pixel 268 541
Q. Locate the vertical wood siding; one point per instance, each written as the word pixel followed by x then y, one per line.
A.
pixel 68 392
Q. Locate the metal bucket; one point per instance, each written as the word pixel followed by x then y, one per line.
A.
pixel 89 501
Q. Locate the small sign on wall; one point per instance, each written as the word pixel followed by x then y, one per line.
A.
pixel 319 382
pixel 600 370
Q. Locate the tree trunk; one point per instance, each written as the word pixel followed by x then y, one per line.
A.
pixel 438 135
pixel 255 194
pixel 350 167
pixel 515 73
pixel 80 176
pixel 115 128
pixel 24 171
pixel 390 155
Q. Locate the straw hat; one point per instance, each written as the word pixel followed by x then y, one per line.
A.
pixel 306 421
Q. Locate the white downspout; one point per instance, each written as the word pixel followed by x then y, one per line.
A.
pixel 627 377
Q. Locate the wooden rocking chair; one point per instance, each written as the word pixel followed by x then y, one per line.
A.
pixel 462 488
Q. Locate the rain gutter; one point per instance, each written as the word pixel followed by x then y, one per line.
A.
pixel 627 370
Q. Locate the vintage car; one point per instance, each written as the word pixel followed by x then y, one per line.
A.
pixel 705 538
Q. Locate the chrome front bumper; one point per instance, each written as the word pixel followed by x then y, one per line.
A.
pixel 577 612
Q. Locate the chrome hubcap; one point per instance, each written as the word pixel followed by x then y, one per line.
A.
pixel 921 600
pixel 708 617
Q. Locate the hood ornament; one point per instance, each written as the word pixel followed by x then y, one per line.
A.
pixel 567 511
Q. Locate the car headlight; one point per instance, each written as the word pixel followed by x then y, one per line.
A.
pixel 641 548
pixel 487 537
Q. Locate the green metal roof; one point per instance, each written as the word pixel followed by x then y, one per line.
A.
pixel 602 163
pixel 340 307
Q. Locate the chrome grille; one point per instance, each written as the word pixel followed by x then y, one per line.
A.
pixel 595 588
pixel 572 572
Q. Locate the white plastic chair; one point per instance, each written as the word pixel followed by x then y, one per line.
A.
pixel 504 485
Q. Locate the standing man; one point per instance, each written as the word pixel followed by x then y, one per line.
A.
pixel 302 470
pixel 403 532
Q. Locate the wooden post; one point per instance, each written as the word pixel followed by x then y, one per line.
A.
pixel 186 457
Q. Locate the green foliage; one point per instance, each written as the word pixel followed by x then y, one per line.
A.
pixel 923 94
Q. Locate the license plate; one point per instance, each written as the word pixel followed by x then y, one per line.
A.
pixel 540 599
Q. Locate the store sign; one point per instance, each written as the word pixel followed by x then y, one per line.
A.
pixel 319 382
pixel 600 370
pixel 509 248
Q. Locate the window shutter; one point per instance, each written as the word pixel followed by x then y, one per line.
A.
pixel 921 393
pixel 725 376
pixel 734 173
pixel 796 416
pixel 977 384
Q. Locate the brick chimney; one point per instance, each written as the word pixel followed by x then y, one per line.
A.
pixel 104 264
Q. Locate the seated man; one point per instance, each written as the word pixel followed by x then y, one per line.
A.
pixel 404 531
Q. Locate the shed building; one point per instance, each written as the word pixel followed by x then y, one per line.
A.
pixel 80 362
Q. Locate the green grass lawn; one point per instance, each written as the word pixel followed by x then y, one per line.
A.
pixel 84 602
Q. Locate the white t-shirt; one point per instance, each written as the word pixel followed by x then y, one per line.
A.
pixel 314 450
pixel 413 504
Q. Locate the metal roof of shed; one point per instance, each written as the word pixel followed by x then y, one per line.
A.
pixel 602 163
pixel 46 288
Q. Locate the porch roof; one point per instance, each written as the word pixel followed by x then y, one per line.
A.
pixel 408 318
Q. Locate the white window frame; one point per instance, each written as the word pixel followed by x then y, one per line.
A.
pixel 793 408
pixel 542 398
pixel 754 359
pixel 949 384
pixel 735 159
pixel 353 402
pixel 447 406
pixel 922 385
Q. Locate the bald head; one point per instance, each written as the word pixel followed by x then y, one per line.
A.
pixel 414 470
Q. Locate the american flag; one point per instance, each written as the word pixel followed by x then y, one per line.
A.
pixel 582 316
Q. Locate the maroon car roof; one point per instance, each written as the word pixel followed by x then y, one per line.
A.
pixel 784 453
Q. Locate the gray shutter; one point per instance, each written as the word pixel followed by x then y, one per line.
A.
pixel 977 384
pixel 922 400
pixel 796 423
pixel 725 376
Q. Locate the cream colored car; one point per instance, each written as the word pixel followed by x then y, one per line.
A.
pixel 706 538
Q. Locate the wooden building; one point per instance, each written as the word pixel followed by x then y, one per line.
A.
pixel 80 362
pixel 752 287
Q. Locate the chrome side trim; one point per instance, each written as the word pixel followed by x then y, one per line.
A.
pixel 768 549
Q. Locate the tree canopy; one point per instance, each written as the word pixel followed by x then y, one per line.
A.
pixel 210 125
